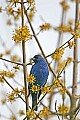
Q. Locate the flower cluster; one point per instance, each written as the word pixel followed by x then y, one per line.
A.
pixel 71 44
pixel 57 83
pixel 13 117
pixel 45 26
pixel 62 90
pixel 76 34
pixel 44 112
pixel 58 54
pixel 64 28
pixel 31 114
pixel 62 109
pixel 3 101
pixel 7 73
pixel 14 94
pixel 15 58
pixel 31 79
pixel 46 89
pixel 22 34
pixel 21 112
pixel 1 79
pixel 64 5
pixel 35 88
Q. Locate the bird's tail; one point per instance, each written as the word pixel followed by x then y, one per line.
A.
pixel 34 101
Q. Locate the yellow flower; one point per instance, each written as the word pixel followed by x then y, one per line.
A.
pixel 62 109
pixel 22 34
pixel 13 117
pixel 1 79
pixel 21 112
pixel 16 67
pixel 10 10
pixel 46 89
pixel 22 91
pixel 1 55
pixel 35 88
pixel 71 44
pixel 9 22
pixel 45 26
pixel 58 54
pixel 69 60
pixel 31 79
pixel 64 5
pixel 16 91
pixel 7 52
pixel 15 58
pixel 31 15
pixel 62 90
pixel 3 101
pixel 44 112
pixel 31 114
pixel 76 34
pixel 7 73
pixel 11 97
pixel 57 83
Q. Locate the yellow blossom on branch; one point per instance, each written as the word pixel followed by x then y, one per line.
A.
pixel 45 26
pixel 3 101
pixel 7 74
pixel 69 60
pixel 22 34
pixel 44 112
pixel 10 11
pixel 35 88
pixel 16 91
pixel 62 90
pixel 31 79
pixel 76 34
pixel 31 114
pixel 62 109
pixel 46 89
pixel 13 117
pixel 64 5
pixel 22 91
pixel 11 97
pixel 21 112
pixel 1 79
pixel 57 83
pixel 58 54
pixel 71 44
pixel 15 58
pixel 64 28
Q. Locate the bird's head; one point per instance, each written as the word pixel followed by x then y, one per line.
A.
pixel 37 58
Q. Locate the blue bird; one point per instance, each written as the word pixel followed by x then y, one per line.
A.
pixel 40 71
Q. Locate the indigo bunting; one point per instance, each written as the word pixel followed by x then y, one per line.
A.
pixel 40 71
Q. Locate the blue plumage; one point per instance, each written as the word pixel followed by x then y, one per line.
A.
pixel 40 71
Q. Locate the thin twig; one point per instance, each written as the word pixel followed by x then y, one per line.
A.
pixel 13 89
pixel 56 109
pixel 24 56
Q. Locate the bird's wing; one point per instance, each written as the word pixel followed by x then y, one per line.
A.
pixel 40 73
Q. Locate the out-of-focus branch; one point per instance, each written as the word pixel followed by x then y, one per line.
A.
pixel 75 66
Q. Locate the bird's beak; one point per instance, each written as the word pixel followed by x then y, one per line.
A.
pixel 33 59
